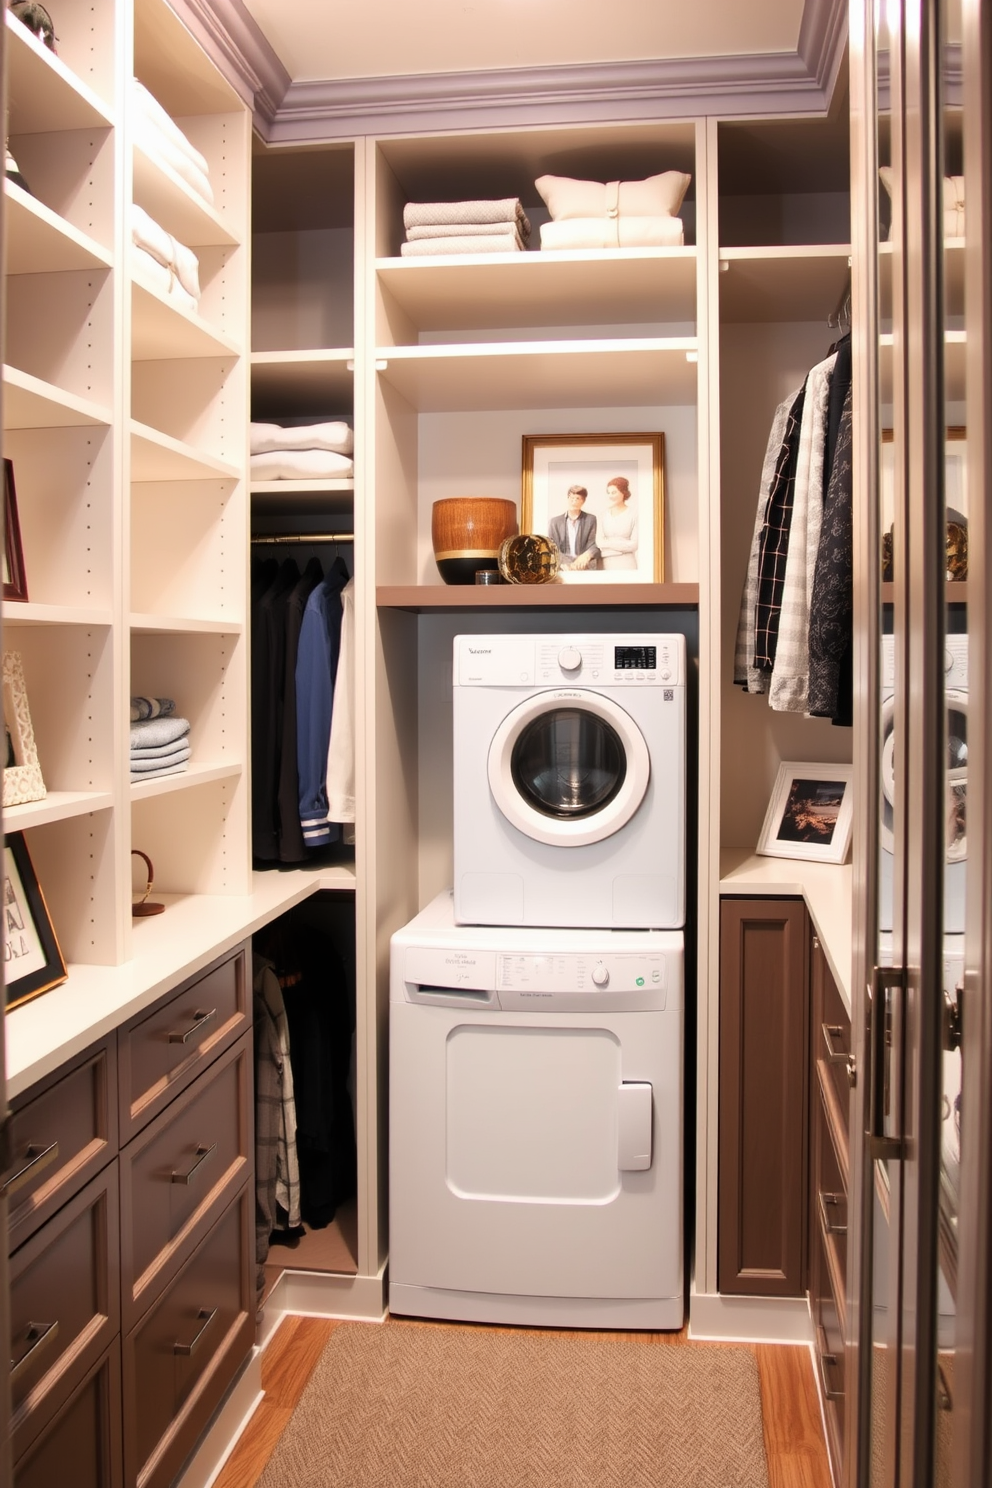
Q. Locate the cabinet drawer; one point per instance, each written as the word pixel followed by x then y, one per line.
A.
pixel 828 1347
pixel 82 1445
pixel 64 1305
pixel 180 1172
pixel 63 1131
pixel 831 1206
pixel 163 1051
pixel 181 1357
pixel 832 1037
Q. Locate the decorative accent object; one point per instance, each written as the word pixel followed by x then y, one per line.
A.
pixel 37 20
pixel 489 577
pixel 810 813
pixel 529 558
pixel 14 582
pixel 955 496
pixel 467 531
pixel 22 780
pixel 142 907
pixel 33 962
pixel 601 499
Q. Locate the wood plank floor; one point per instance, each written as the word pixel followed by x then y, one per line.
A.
pixel 794 1445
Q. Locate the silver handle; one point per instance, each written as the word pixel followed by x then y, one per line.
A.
pixel 884 1104
pixel 201 1021
pixel 832 1034
pixel 185 1349
pixel 38 1157
pixel 826 1201
pixel 826 1360
pixel 202 1154
pixel 35 1334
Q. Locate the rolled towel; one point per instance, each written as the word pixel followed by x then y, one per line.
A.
pixel 457 230
pixel 151 707
pixel 137 777
pixel 162 762
pixel 159 276
pixel 160 119
pixel 150 733
pixel 307 464
pixel 612 232
pixel 433 247
pixel 432 214
pixel 336 436
pixel 148 234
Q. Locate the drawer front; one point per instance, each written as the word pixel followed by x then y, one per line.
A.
pixel 831 1204
pixel 832 1035
pixel 180 1172
pixel 828 1349
pixel 181 1357
pixel 82 1445
pixel 63 1131
pixel 64 1305
pixel 163 1051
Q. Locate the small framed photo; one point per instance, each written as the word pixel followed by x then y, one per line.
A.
pixel 32 959
pixel 810 813
pixel 22 780
pixel 601 499
pixel 14 583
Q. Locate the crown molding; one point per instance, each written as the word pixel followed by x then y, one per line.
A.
pixel 335 108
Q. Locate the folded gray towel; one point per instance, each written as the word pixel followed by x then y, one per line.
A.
pixel 430 247
pixel 159 751
pixel 149 707
pixel 145 766
pixel 149 733
pixel 431 214
pixel 458 230
pixel 136 779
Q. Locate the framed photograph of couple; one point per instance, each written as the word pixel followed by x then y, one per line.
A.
pixel 33 962
pixel 601 499
pixel 810 813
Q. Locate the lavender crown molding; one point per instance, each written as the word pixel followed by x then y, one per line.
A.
pixel 780 82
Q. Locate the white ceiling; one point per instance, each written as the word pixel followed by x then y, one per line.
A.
pixel 315 39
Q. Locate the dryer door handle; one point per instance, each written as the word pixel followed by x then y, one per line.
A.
pixel 634 1110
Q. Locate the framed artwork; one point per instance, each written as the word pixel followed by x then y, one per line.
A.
pixel 810 813
pixel 601 499
pixel 14 583
pixel 33 962
pixel 22 780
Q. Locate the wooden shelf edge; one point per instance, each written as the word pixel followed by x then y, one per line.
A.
pixel 429 599
pixel 56 806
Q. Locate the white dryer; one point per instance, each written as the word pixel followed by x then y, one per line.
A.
pixel 535 1120
pixel 569 780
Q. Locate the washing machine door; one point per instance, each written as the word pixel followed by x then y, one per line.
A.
pixel 956 780
pixel 569 768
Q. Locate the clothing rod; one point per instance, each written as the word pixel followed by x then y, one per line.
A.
pixel 843 311
pixel 302 537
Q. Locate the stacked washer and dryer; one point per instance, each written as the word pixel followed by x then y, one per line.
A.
pixel 536 1011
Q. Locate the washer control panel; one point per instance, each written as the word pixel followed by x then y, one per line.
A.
pixel 621 980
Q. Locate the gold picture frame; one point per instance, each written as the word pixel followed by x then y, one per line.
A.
pixel 623 476
pixel 22 778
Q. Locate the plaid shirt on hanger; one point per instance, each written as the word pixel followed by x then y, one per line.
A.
pixel 774 547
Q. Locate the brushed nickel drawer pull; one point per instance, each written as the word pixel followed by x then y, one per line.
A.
pixel 826 1360
pixel 202 1153
pixel 832 1035
pixel 38 1157
pixel 185 1349
pixel 827 1200
pixel 201 1021
pixel 35 1334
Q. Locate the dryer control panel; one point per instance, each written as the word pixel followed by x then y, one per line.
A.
pixel 541 982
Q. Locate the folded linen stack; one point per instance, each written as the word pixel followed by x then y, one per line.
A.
pixel 160 137
pixel 150 707
pixel 301 451
pixel 464 227
pixel 170 266
pixel 159 746
pixel 613 214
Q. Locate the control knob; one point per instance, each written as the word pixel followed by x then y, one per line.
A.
pixel 570 659
pixel 600 975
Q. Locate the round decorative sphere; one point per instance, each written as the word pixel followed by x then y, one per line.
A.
pixel 467 531
pixel 529 558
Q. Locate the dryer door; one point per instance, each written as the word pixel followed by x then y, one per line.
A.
pixel 568 768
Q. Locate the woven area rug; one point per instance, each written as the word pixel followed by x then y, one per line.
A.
pixel 419 1406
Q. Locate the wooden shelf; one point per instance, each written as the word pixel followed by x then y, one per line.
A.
pixel 149 624
pixel 56 806
pixel 615 286
pixel 428 599
pixel 163 329
pixel 293 383
pixel 194 775
pixel 783 284
pixel 16 612
pixel 39 241
pixel 158 457
pixel 43 95
pixel 543 374
pixel 31 403
pixel 190 218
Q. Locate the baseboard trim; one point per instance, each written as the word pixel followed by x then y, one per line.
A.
pixel 229 1421
pixel 323 1294
pixel 722 1319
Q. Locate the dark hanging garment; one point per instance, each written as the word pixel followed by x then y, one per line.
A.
pixel 291 848
pixel 774 548
pixel 831 600
pixel 268 666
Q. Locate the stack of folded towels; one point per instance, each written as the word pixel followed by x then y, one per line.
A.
pixel 464 227
pixel 160 137
pixel 613 214
pixel 301 451
pixel 171 267
pixel 159 740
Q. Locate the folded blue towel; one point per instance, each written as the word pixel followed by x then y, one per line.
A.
pixel 149 733
pixel 149 707
pixel 140 766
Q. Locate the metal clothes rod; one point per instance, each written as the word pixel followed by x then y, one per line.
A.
pixel 302 537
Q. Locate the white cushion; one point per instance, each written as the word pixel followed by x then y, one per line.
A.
pixel 657 196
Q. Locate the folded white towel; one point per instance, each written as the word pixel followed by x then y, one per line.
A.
pixel 309 464
pixel 612 232
pixel 148 234
pixel 431 214
pixel 149 108
pixel 148 269
pixel 457 230
pixel 508 242
pixel 335 435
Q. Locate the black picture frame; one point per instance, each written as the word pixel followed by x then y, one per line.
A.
pixel 29 935
pixel 15 584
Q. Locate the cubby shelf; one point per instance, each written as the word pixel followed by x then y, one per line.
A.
pixel 39 241
pixel 31 403
pixel 43 94
pixel 306 381
pixel 189 779
pixel 426 599
pixel 146 624
pixel 190 218
pixel 158 457
pixel 161 328
pixel 56 806
pixel 783 283
pixel 16 613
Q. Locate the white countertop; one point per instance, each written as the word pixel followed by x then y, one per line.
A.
pixel 828 889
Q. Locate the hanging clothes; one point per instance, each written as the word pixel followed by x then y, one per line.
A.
pixel 316 670
pixel 268 670
pixel 292 848
pixel 774 544
pixel 277 1175
pixel 831 630
pixel 340 779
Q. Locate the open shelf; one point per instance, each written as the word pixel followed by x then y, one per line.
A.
pixel 43 95
pixel 158 457
pixel 294 383
pixel 188 779
pixel 145 624
pixel 16 612
pixel 175 206
pixel 427 599
pixel 31 403
pixel 163 328
pixel 783 283
pixel 55 807
pixel 39 241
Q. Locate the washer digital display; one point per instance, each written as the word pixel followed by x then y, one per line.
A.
pixel 635 658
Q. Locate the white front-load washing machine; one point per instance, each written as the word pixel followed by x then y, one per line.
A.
pixel 535 1124
pixel 569 780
